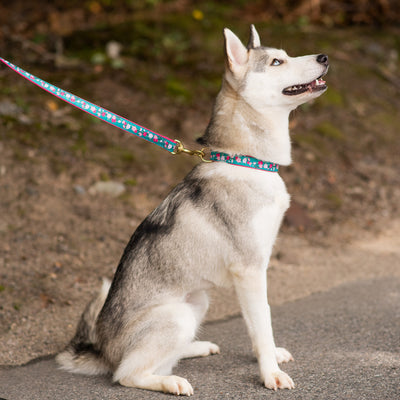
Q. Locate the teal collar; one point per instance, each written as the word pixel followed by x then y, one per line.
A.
pixel 244 161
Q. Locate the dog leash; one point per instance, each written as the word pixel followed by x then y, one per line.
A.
pixel 173 146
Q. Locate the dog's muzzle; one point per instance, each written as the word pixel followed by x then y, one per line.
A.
pixel 311 87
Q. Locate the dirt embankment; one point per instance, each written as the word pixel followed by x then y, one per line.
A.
pixel 59 234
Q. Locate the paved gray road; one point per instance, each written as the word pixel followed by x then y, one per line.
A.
pixel 346 343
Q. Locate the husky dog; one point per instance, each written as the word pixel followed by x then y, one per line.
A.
pixel 216 228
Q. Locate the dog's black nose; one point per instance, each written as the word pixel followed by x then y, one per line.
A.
pixel 322 59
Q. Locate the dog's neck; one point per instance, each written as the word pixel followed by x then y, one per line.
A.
pixel 237 128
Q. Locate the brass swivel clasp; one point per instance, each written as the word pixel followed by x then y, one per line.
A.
pixel 180 148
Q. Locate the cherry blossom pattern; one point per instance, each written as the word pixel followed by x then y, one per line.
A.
pixel 96 111
pixel 244 161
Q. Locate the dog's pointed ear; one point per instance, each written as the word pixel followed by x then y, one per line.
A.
pixel 236 54
pixel 254 39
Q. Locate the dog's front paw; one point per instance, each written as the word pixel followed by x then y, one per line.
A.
pixel 278 380
pixel 282 355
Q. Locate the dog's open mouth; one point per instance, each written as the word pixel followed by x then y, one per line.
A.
pixel 314 86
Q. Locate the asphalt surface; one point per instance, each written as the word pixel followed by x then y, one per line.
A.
pixel 346 345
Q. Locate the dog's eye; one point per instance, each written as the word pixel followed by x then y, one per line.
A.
pixel 276 62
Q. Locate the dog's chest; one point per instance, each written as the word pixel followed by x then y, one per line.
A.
pixel 257 200
pixel 267 218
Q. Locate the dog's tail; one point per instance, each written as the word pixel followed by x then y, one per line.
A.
pixel 81 356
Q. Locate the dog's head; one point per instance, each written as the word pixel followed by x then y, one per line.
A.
pixel 268 77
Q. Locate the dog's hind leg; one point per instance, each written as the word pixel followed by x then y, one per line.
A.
pixel 170 328
pixel 167 384
pixel 200 349
pixel 282 355
pixel 199 302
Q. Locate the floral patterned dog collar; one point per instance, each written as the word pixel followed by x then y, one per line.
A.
pixel 244 161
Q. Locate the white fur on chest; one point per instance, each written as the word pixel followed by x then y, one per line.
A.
pixel 266 223
pixel 260 219
pixel 266 219
pixel 270 183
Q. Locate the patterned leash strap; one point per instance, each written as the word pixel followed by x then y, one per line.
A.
pixel 173 146
pixel 101 113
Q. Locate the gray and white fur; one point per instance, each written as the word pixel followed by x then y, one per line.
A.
pixel 215 229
